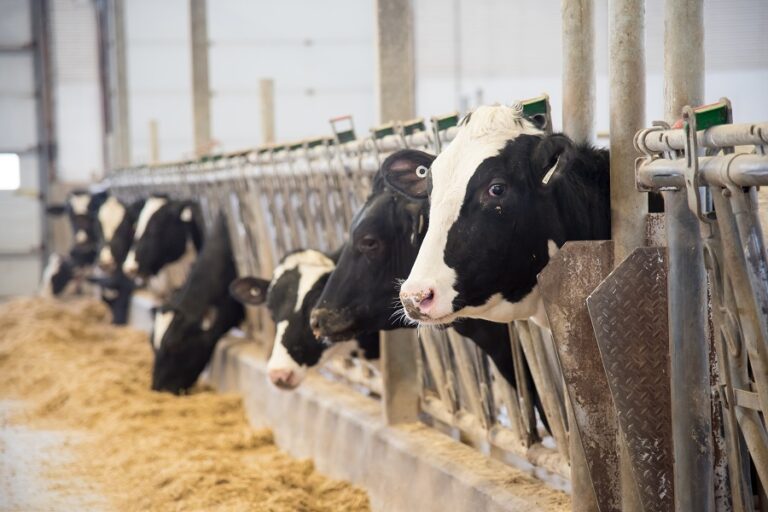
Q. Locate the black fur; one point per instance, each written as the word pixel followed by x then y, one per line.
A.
pixel 186 347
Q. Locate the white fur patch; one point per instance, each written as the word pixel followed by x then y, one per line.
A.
pixel 186 214
pixel 176 272
pixel 308 276
pixel 53 266
pixel 308 257
pixel 162 322
pixel 150 208
pixel 485 135
pixel 209 319
pixel 130 265
pixel 79 203
pixel 111 214
pixel 105 256
pixel 81 236
pixel 280 359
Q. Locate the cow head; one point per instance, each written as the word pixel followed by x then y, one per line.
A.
pixel 183 345
pixel 361 294
pixel 295 286
pixel 163 231
pixel 496 214
pixel 81 207
pixel 116 223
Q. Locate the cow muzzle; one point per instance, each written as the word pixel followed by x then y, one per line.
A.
pixel 332 324
pixel 418 303
pixel 284 378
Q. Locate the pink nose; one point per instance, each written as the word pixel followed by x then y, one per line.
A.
pixel 282 378
pixel 418 302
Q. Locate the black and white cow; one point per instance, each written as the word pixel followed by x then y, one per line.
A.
pixel 116 223
pixel 296 284
pixel 187 328
pixel 384 239
pixel 81 207
pixel 168 236
pixel 503 197
pixel 116 228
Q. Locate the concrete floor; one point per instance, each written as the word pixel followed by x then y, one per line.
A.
pixel 27 456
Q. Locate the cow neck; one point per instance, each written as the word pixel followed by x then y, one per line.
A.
pixel 177 271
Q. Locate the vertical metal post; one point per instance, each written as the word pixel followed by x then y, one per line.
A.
pixel 629 209
pixel 201 94
pixel 122 125
pixel 400 375
pixel 154 142
pixel 578 69
pixel 579 124
pixel 689 362
pixel 395 71
pixel 626 71
pixel 267 107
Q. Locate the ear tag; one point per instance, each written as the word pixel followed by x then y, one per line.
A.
pixel 548 176
pixel 422 171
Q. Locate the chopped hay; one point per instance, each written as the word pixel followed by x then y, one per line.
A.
pixel 146 450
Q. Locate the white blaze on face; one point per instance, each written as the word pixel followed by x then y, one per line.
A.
pixel 162 322
pixel 280 360
pixel 79 203
pixel 484 136
pixel 111 214
pixel 150 208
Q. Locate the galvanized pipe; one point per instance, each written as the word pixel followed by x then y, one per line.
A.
pixel 627 101
pixel 736 169
pixel 689 361
pixel 578 69
pixel 626 70
pixel 721 136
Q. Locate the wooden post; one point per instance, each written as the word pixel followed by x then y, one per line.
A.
pixel 154 142
pixel 395 76
pixel 267 101
pixel 201 93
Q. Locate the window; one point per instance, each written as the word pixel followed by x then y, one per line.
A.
pixel 10 171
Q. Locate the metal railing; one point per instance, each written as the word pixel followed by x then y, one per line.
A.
pixel 286 197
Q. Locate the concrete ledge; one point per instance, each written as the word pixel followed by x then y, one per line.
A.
pixel 403 468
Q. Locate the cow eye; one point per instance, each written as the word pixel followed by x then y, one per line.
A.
pixel 497 189
pixel 367 244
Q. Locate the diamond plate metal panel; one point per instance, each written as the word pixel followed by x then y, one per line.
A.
pixel 571 275
pixel 629 313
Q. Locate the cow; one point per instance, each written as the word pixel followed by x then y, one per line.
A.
pixel 168 236
pixel 81 207
pixel 115 226
pixel 187 327
pixel 504 196
pixel 384 239
pixel 290 295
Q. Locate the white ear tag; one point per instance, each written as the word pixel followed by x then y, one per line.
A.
pixel 548 176
pixel 186 214
pixel 422 171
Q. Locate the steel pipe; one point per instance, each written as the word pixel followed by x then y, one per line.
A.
pixel 578 69
pixel 716 137
pixel 740 170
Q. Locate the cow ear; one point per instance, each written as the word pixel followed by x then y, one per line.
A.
pixel 540 121
pixel 406 172
pixel 550 157
pixel 55 209
pixel 249 290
